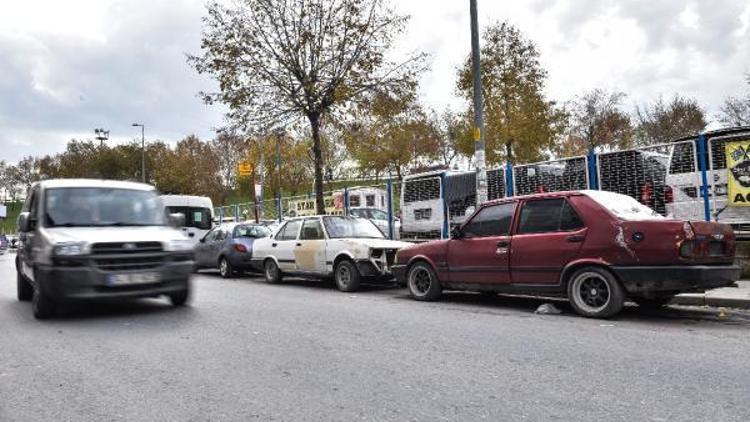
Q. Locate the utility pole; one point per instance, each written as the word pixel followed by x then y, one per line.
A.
pixel 143 150
pixel 479 156
pixel 279 134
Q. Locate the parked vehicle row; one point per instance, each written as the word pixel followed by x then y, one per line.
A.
pixel 595 248
pixel 91 240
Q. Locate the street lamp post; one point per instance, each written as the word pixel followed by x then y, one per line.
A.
pixel 279 134
pixel 101 135
pixel 143 150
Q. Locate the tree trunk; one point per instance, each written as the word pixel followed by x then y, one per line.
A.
pixel 509 151
pixel 318 163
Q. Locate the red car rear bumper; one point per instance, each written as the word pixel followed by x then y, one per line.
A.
pixel 692 278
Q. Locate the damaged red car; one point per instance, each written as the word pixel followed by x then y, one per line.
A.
pixel 596 248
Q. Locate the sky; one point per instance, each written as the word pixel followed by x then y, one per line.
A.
pixel 67 67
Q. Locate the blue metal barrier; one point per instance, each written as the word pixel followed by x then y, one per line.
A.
pixel 592 169
pixel 446 214
pixel 389 198
pixel 508 179
pixel 702 145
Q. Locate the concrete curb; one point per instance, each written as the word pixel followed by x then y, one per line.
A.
pixel 728 297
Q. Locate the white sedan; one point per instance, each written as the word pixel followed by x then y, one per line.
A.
pixel 349 249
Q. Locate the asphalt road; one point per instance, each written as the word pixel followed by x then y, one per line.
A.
pixel 303 351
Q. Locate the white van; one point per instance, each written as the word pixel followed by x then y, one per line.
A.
pixel 198 212
pixel 684 181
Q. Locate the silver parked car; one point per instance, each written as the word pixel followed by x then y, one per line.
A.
pixel 229 247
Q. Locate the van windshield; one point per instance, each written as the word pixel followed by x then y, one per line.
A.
pixel 101 207
pixel 197 217
pixel 623 206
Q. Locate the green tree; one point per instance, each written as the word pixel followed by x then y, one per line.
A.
pixel 520 124
pixel 392 133
pixel 596 121
pixel 664 122
pixel 230 149
pixel 26 172
pixel 192 168
pixel 281 60
pixel 295 174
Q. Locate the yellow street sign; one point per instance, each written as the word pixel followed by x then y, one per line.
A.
pixel 245 169
pixel 738 173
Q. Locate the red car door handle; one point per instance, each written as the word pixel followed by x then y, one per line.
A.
pixel 503 244
pixel 576 238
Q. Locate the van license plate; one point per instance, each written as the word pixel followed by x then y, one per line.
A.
pixel 130 279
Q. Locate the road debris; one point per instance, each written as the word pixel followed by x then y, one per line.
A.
pixel 547 309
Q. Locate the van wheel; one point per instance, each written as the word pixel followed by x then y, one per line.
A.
pixel 346 276
pixel 181 298
pixel 24 289
pixel 423 282
pixel 595 293
pixel 272 272
pixel 225 268
pixel 42 305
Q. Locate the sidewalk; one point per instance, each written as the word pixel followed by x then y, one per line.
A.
pixel 729 297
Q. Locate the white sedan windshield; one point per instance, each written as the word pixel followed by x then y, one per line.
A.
pixel 348 227
pixel 623 206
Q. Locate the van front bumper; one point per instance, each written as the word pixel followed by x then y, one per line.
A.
pixel 65 284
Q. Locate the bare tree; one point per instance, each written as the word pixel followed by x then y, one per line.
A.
pixel 596 121
pixel 281 60
pixel 450 125
pixel 663 122
pixel 736 111
pixel 230 149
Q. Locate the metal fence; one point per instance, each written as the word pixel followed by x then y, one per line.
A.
pixel 551 176
pixel 686 179
pixel 377 202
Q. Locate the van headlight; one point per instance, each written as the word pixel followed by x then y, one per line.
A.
pixel 179 245
pixel 69 249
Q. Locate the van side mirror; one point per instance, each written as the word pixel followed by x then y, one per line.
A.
pixel 177 219
pixel 456 233
pixel 23 222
